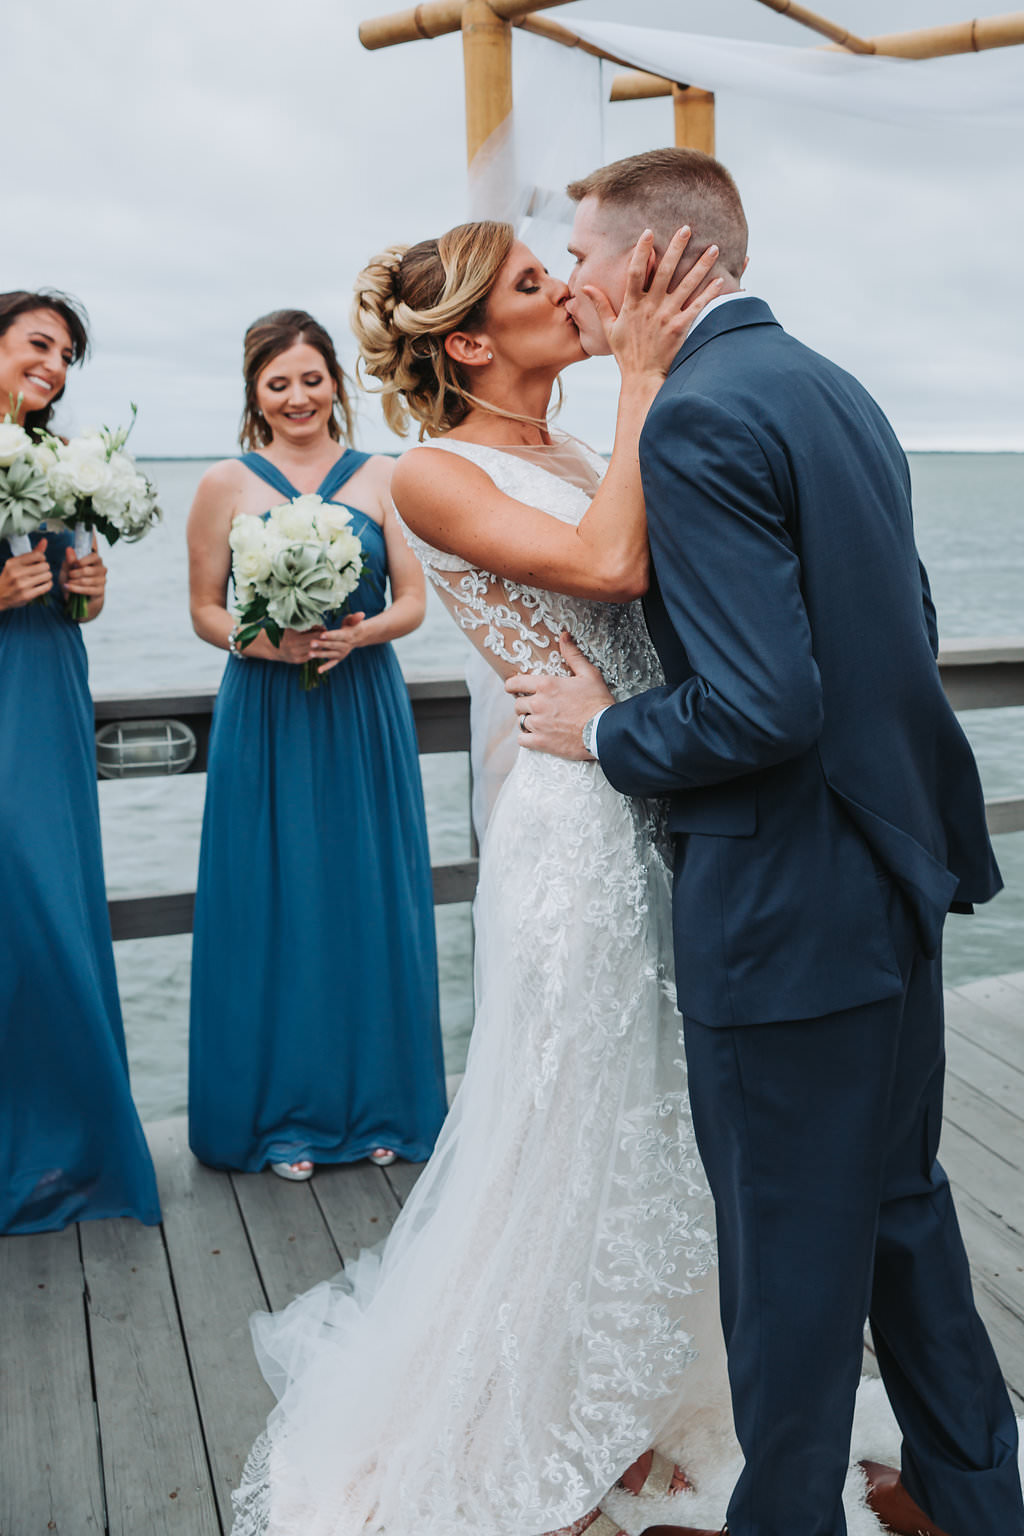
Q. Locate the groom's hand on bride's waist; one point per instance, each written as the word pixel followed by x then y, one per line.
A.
pixel 553 710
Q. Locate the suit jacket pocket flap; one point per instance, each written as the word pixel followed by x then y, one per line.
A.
pixel 716 810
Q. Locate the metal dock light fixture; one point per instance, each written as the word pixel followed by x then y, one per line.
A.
pixel 135 749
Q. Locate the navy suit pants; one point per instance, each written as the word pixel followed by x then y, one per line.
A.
pixel 820 1139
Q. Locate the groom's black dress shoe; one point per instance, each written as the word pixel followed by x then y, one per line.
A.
pixel 890 1501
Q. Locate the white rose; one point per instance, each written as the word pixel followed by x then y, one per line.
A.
pixel 251 566
pixel 244 594
pixel 87 445
pixel 345 549
pixel 247 532
pixel 296 520
pixel 87 476
pixel 122 471
pixel 14 441
pixel 43 457
pixel 332 519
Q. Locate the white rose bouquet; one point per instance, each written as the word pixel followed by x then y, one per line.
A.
pixel 94 484
pixel 293 569
pixel 25 497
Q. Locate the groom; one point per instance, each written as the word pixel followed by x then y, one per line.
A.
pixel 827 815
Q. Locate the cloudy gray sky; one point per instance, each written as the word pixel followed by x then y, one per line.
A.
pixel 185 168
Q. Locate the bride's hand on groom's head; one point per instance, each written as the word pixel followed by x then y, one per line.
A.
pixel 553 710
pixel 654 319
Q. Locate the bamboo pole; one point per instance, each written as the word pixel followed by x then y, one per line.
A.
pixel 437 17
pixel 541 26
pixel 638 85
pixel 960 37
pixel 829 29
pixel 487 60
pixel 694 114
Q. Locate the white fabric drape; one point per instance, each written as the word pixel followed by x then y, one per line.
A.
pixel 519 176
pixel 989 84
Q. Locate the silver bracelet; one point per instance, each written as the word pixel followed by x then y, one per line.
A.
pixel 233 645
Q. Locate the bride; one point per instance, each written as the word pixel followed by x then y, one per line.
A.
pixel 545 1309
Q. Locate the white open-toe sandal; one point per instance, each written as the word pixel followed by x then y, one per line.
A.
pixel 293 1171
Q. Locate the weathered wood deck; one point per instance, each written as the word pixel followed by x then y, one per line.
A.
pixel 129 1394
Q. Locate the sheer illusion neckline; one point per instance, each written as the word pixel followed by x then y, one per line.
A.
pixel 564 458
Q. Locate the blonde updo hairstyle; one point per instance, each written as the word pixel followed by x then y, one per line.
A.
pixel 266 339
pixel 408 300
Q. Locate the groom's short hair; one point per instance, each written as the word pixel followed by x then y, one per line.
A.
pixel 663 189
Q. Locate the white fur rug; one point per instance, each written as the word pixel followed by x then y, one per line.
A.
pixel 876 1437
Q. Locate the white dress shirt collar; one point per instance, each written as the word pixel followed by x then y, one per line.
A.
pixel 723 298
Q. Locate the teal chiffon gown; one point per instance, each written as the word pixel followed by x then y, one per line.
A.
pixel 314 1017
pixel 71 1145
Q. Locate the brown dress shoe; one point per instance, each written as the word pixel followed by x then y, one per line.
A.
pixel 681 1530
pixel 890 1501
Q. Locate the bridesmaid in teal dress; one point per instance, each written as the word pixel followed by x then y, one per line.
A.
pixel 315 1033
pixel 71 1146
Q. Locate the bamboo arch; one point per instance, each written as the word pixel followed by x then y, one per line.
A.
pixel 486 27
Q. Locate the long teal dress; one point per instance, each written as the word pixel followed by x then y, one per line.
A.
pixel 314 1018
pixel 71 1146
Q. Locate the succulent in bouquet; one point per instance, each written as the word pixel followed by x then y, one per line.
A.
pixel 25 498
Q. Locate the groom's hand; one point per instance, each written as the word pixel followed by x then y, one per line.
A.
pixel 553 710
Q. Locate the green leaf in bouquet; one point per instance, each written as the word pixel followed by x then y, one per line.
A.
pixel 275 634
pixel 247 635
pixel 109 530
pixel 257 609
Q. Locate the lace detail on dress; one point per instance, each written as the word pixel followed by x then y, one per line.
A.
pixel 519 625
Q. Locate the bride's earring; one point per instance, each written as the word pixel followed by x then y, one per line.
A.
pixel 490 357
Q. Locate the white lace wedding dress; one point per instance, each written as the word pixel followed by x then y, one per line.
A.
pixel 546 1307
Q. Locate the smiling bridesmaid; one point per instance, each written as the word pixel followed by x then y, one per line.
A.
pixel 71 1146
pixel 315 1035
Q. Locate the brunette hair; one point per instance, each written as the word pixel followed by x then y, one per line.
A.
pixel 663 189
pixel 266 339
pixel 408 300
pixel 22 302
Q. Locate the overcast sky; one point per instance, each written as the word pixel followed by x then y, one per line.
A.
pixel 187 167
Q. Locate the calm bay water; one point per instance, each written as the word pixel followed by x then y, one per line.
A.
pixel 970 518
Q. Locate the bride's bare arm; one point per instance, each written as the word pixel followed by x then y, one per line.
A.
pixel 455 506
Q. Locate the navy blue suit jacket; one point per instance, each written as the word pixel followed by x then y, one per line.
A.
pixel 803 735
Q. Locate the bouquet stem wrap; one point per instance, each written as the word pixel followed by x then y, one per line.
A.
pixel 78 603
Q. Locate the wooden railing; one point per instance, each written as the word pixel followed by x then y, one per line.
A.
pixel 976 674
pixel 440 707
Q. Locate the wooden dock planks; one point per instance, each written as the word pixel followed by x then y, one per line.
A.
pixel 983 1152
pixel 154 1458
pixel 50 1478
pixel 217 1284
pixel 129 1393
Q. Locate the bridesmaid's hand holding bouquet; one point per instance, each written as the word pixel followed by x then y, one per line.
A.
pixel 293 569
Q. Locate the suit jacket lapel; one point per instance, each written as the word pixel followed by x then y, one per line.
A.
pixel 727 317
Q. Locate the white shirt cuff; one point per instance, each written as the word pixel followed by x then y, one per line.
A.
pixel 597 728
